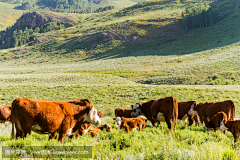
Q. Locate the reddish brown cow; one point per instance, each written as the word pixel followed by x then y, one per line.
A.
pixel 183 108
pixel 95 131
pixel 231 126
pixel 215 121
pixel 127 124
pixel 5 113
pixel 161 110
pixel 207 110
pixel 47 117
pixel 123 112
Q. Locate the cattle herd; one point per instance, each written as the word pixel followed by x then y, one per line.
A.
pixel 74 118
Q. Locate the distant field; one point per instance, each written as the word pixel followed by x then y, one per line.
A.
pixel 8 15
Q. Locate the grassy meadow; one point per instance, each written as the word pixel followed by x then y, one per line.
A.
pixel 142 53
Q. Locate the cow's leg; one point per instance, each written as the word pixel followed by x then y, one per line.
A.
pixel 168 124
pixel 64 128
pixel 53 136
pixel 140 127
pixel 190 120
pixel 18 133
pixel 224 132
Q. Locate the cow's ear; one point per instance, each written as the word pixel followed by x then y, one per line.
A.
pixel 90 107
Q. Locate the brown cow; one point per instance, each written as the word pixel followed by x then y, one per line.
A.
pixel 5 113
pixel 215 121
pixel 231 126
pixel 123 112
pixel 47 117
pixel 127 124
pixel 93 132
pixel 183 108
pixel 207 110
pixel 161 110
pixel 76 106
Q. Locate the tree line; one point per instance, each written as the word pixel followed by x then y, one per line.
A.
pixel 200 16
pixel 18 35
pixel 72 6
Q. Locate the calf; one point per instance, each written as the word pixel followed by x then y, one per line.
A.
pixel 130 123
pixel 123 112
pixel 215 121
pixel 231 126
pixel 93 132
pixel 82 130
pixel 5 113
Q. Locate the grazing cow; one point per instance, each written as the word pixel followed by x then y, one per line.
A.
pixel 207 110
pixel 47 117
pixel 183 108
pixel 5 113
pixel 93 132
pixel 231 126
pixel 161 110
pixel 215 121
pixel 123 112
pixel 127 124
pixel 77 106
pixel 100 114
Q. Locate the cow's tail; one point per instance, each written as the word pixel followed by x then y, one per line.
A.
pixel 12 117
pixel 232 117
pixel 175 112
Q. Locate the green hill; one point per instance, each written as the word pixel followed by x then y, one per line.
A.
pixel 148 41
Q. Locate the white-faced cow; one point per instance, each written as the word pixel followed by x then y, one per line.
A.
pixel 160 110
pixel 47 117
pixel 207 110
pixel 232 126
pixel 183 108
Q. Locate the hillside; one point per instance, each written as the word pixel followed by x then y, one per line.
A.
pixel 8 15
pixel 145 43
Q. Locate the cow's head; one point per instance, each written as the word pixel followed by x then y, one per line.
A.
pixel 92 116
pixel 208 128
pixel 118 121
pixel 222 125
pixel 136 111
pixel 193 110
pixel 108 127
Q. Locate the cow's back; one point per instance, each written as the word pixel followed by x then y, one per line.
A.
pixel 48 115
pixel 228 107
pixel 123 112
pixel 5 113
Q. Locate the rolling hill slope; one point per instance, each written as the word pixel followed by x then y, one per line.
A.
pixel 144 43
